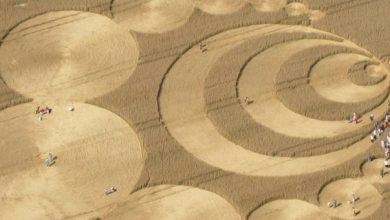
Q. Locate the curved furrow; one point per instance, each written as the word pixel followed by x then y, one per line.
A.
pixel 181 105
pixel 368 199
pixel 295 92
pixel 329 78
pixel 219 6
pixel 247 128
pixel 152 16
pixel 268 5
pixel 288 209
pixel 366 73
pixel 166 202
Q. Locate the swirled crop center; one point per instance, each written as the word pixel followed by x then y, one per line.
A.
pixel 67 54
pixel 257 82
pixel 152 16
pixel 182 109
pixel 95 150
pixel 268 5
pixel 166 202
pixel 220 6
pixel 329 77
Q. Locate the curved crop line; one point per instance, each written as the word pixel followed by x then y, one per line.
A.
pixel 360 69
pixel 189 47
pixel 320 36
pixel 333 179
pixel 337 39
pixel 129 5
pixel 303 78
pixel 262 203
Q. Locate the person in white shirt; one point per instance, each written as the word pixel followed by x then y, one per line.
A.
pixel 110 190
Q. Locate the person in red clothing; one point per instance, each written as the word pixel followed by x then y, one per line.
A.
pixel 43 111
pixel 355 118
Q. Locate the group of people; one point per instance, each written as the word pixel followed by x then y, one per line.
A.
pixel 51 158
pixel 110 190
pixel 42 111
pixel 203 47
pixel 379 129
pixel 333 204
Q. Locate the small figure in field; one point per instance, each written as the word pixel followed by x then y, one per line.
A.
pixel 383 144
pixel 353 199
pixel 50 159
pixel 202 46
pixel 387 164
pixel 355 213
pixel 332 204
pixel 355 118
pixel 387 144
pixel 372 117
pixel 248 101
pixel 387 154
pixel 376 125
pixel 43 111
pixel 388 137
pixel 382 172
pixel 387 117
pixel 71 108
pixel 374 135
pixel 381 128
pixel 110 190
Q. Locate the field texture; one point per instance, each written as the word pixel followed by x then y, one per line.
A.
pixel 159 91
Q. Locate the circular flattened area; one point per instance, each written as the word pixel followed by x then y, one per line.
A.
pixel 368 198
pixel 296 9
pixel 167 202
pixel 181 105
pixel 152 16
pixel 288 210
pixel 67 54
pixel 220 6
pixel 95 150
pixel 376 71
pixel 268 5
pixel 373 174
pixel 329 78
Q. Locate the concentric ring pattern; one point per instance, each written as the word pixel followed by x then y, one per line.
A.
pixel 182 140
pixel 159 16
pixel 263 75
